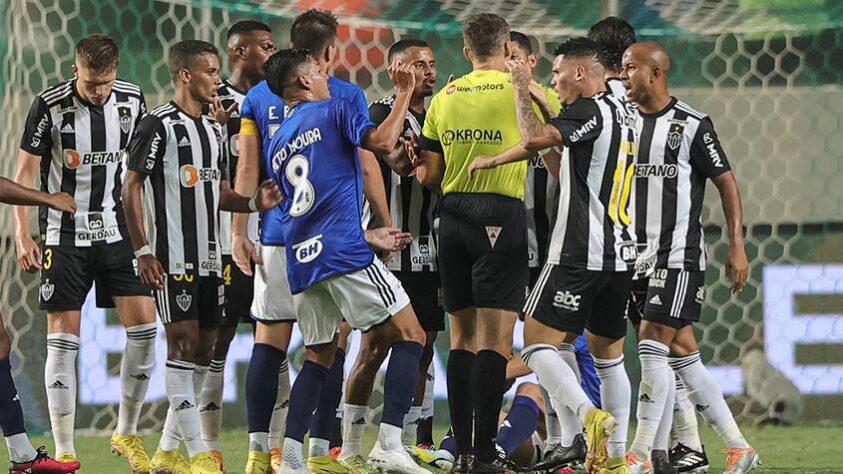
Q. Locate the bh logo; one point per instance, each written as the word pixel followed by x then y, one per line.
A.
pixel 307 251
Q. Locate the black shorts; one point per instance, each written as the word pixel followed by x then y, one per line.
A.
pixel 637 298
pixel 239 291
pixel 483 251
pixel 425 292
pixel 67 274
pixel 191 297
pixel 572 299
pixel 674 297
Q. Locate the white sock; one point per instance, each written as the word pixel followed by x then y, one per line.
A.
pixel 291 456
pixel 427 404
pixel 60 379
pixel 569 422
pixel 551 419
pixel 278 422
pixel 704 392
pixel 557 377
pixel 652 395
pixel 615 395
pixel 318 447
pixel 662 441
pixel 170 437
pixel 210 405
pixel 353 426
pixel 389 438
pixel 259 441
pixel 685 429
pixel 19 447
pixel 135 372
pixel 411 422
pixel 180 381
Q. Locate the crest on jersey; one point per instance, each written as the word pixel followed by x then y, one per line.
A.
pixel 674 139
pixel 47 290
pixel 125 114
pixel 184 300
pixel 493 232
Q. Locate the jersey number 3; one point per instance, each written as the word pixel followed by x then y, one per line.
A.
pixel 297 172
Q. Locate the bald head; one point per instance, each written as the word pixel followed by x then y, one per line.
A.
pixel 644 71
pixel 651 53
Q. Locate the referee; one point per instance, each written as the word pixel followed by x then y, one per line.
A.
pixel 482 237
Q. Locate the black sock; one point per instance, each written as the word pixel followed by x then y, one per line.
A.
pixel 336 433
pixel 489 373
pixel 460 402
pixel 424 431
pixel 326 408
pixel 11 415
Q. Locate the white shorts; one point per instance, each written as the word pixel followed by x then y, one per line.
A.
pixel 273 300
pixel 365 298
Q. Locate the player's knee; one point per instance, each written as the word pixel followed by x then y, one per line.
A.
pixel 530 390
pixel 223 342
pixel 656 332
pixel 371 355
pixel 322 354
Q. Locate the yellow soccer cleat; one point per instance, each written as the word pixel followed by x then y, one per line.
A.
pixel 204 463
pixel 358 465
pixel 326 465
pixel 131 448
pixel 275 460
pixel 168 462
pixel 217 455
pixel 259 463
pixel 615 466
pixel 599 425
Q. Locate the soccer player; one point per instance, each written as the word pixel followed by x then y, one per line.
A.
pixel 331 269
pixel 678 151
pixel 612 35
pixel 413 210
pixel 77 132
pixel 23 458
pixel 482 235
pixel 182 152
pixel 249 44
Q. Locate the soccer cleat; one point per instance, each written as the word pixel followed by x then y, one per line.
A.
pixel 463 464
pixel 358 464
pixel 43 464
pixel 259 463
pixel 275 460
pixel 325 465
pixel 204 463
pixel 635 465
pixel 686 459
pixel 741 460
pixel 335 452
pixel 286 469
pixel 426 457
pixel 66 457
pixel 131 448
pixel 168 462
pixel 661 462
pixel 599 425
pixel 615 466
pixel 394 461
pixel 558 456
pixel 498 465
pixel 217 455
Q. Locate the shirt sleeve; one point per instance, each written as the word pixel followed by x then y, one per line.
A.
pixel 429 139
pixel 359 101
pixel 379 112
pixel 147 147
pixel 37 137
pixel 353 122
pixel 580 122
pixel 222 140
pixel 141 110
pixel 707 155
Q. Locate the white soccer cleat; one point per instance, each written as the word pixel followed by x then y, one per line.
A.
pixel 394 461
pixel 286 469
pixel 741 460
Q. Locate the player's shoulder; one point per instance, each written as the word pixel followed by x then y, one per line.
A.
pixel 691 112
pixel 164 111
pixel 261 92
pixel 228 91
pixel 385 103
pixel 128 88
pixel 56 93
pixel 343 88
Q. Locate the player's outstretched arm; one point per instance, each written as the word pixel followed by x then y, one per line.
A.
pixel 430 169
pixel 383 138
pixel 374 188
pixel 511 155
pixel 266 197
pixel 388 239
pixel 28 252
pixel 13 193
pixel 535 135
pixel 737 263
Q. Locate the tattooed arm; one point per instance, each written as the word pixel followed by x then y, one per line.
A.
pixel 535 135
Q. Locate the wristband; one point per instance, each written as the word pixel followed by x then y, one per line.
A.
pixel 253 204
pixel 145 250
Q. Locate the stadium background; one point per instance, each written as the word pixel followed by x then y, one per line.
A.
pixel 769 72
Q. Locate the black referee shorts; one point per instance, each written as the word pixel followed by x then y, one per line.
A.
pixel 483 259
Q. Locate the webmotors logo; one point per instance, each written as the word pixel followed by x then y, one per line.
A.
pixel 190 176
pixel 567 300
pixel 472 135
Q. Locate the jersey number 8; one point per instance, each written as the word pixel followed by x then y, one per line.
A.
pixel 304 195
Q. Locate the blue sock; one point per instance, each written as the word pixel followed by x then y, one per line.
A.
pixel 303 399
pixel 262 385
pixel 402 377
pixel 11 414
pixel 322 424
pixel 449 443
pixel 588 374
pixel 519 424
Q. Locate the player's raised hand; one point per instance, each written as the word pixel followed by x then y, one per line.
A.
pixel 519 72
pixel 62 202
pixel 243 253
pixel 28 252
pixel 737 267
pixel 219 113
pixel 480 163
pixel 402 75
pixel 407 165
pixel 151 272
pixel 268 195
pixel 388 239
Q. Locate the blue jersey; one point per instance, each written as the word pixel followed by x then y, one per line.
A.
pixel 313 157
pixel 267 110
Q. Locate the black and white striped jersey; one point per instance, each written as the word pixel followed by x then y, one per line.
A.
pixel 593 227
pixel 228 94
pixel 541 198
pixel 678 150
pixel 411 205
pixel 82 148
pixel 185 159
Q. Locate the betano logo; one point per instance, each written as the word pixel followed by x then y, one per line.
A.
pixel 190 175
pixel 73 160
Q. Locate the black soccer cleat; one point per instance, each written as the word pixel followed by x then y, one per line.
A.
pixel 560 456
pixel 685 459
pixel 661 462
pixel 498 465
